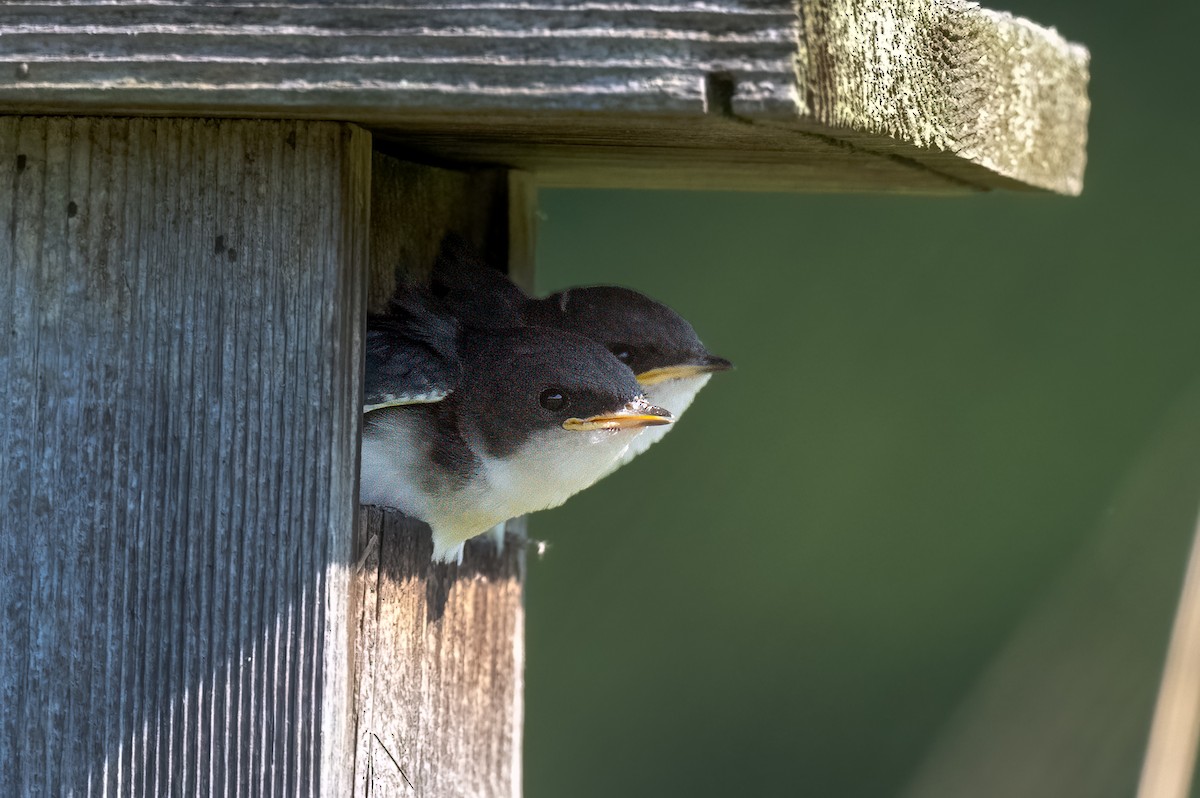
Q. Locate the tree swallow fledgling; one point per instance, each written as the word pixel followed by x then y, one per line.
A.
pixel 465 430
pixel 658 344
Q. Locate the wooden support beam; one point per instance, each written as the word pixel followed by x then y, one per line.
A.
pixel 819 95
pixel 180 358
pixel 440 648
pixel 186 601
pixel 441 660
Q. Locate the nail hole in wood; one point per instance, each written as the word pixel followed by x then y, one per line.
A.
pixel 719 88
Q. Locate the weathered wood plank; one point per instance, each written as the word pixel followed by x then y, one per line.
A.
pixel 414 205
pixel 915 95
pixel 181 317
pixel 439 669
pixel 441 664
pixel 963 84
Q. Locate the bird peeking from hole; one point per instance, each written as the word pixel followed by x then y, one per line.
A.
pixel 483 404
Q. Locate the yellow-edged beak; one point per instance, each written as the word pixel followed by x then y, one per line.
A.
pixel 665 373
pixel 638 413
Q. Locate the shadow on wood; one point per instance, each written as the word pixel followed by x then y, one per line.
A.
pixel 179 372
pixel 439 661
pixel 400 549
pixel 439 649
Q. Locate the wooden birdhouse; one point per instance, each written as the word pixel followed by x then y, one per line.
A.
pixel 202 202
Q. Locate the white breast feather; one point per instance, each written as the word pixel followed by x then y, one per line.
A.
pixel 553 466
pixel 391 454
pixel 674 395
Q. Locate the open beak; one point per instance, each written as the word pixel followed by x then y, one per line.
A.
pixel 708 365
pixel 638 413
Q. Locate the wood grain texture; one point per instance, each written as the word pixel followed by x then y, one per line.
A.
pixel 181 318
pixel 522 228
pixel 440 664
pixel 914 95
pixel 439 657
pixel 413 207
pixel 988 88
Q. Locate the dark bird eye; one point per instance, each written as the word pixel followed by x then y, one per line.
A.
pixel 553 400
pixel 623 355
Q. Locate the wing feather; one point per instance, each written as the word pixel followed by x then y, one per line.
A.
pixel 411 353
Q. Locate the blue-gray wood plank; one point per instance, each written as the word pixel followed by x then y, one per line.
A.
pixel 827 95
pixel 180 322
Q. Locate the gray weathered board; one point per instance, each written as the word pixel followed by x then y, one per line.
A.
pixel 879 95
pixel 181 309
pixel 438 649
pixel 439 663
pixel 187 606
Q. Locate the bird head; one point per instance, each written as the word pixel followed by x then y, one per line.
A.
pixel 534 384
pixel 655 342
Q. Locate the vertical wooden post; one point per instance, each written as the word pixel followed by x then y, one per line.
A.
pixel 440 654
pixel 180 356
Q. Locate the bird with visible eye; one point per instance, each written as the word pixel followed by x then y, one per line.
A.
pixel 656 343
pixel 467 428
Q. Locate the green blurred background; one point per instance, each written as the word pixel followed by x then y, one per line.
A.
pixel 933 525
